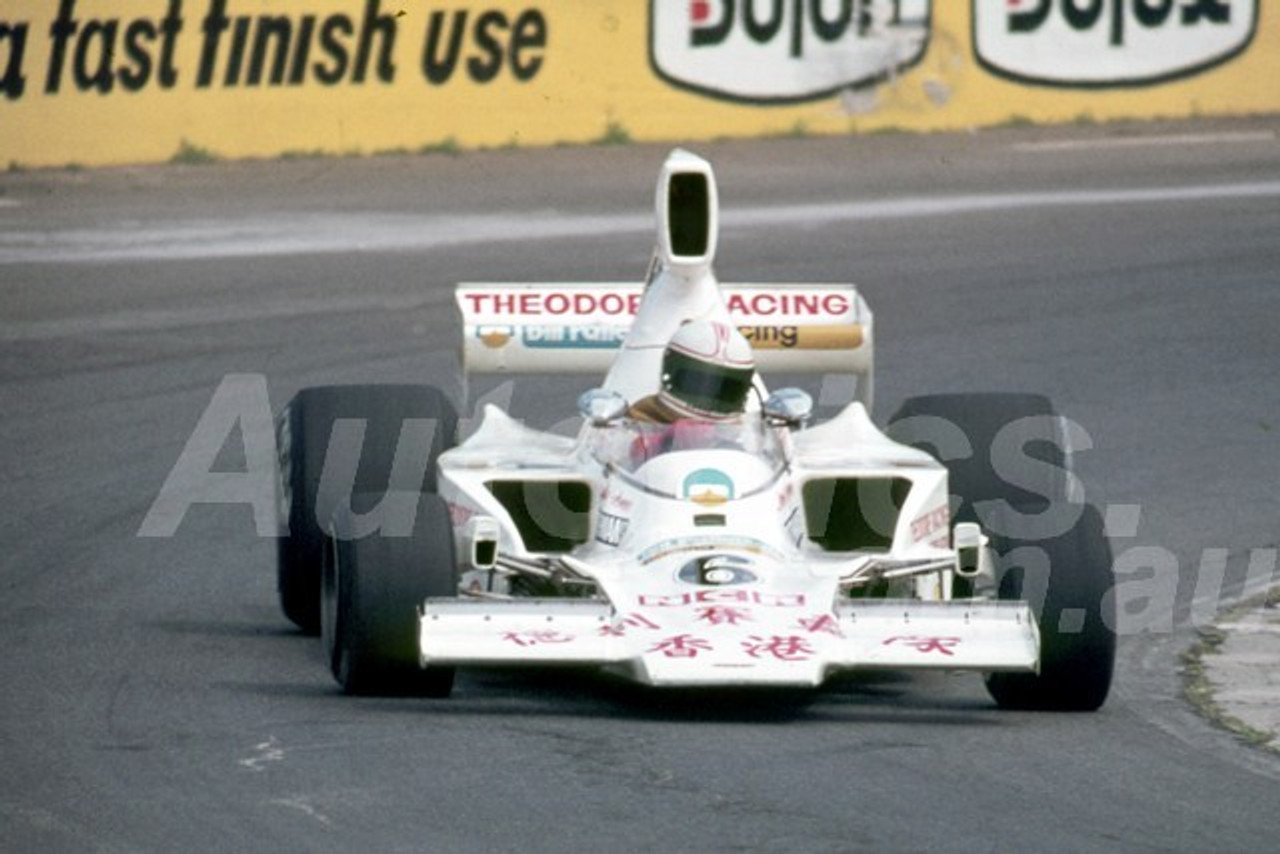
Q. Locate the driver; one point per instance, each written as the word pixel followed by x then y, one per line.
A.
pixel 707 371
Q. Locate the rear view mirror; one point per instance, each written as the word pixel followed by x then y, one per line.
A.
pixel 790 406
pixel 601 406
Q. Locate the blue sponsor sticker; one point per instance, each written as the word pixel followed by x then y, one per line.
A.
pixel 602 336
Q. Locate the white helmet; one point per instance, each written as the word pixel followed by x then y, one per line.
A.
pixel 707 370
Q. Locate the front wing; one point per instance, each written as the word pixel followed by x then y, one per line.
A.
pixel 802 650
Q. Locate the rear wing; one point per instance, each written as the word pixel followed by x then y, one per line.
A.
pixel 619 331
pixel 580 328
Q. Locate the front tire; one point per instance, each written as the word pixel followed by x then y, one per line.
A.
pixel 1071 576
pixel 1009 467
pixel 373 586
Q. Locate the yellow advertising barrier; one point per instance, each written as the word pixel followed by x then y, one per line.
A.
pixel 97 82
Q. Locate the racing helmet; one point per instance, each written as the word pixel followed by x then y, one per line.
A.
pixel 707 370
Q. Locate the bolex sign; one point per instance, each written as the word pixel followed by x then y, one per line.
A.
pixel 1094 43
pixel 778 51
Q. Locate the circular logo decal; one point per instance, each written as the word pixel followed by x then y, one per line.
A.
pixel 708 487
pixel 717 570
pixel 494 336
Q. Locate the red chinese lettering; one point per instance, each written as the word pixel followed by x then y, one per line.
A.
pixel 723 615
pixel 821 623
pixel 717 596
pixel 922 644
pixel 681 646
pixel 630 621
pixel 640 621
pixel 779 600
pixel 783 648
pixel 537 637
pixel 659 600
pixel 722 596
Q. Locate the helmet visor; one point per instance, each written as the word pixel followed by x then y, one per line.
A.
pixel 714 389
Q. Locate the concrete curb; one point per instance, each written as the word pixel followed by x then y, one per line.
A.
pixel 1233 672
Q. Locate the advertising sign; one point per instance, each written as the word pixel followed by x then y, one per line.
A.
pixel 514 328
pixel 1094 43
pixel 106 82
pixel 784 50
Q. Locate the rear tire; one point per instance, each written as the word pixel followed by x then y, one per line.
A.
pixel 373 587
pixel 303 433
pixel 961 430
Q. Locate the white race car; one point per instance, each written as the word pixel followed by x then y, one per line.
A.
pixel 753 550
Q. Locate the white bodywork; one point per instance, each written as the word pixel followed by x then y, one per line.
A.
pixel 747 553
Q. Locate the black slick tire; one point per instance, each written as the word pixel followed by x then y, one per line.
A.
pixel 416 421
pixel 1009 470
pixel 373 587
pixel 1069 581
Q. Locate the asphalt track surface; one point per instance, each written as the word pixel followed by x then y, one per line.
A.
pixel 153 699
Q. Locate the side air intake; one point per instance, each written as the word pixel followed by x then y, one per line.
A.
pixel 844 514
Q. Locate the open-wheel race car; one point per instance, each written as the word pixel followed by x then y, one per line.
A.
pixel 698 530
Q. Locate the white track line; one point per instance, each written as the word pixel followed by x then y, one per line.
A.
pixel 1225 138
